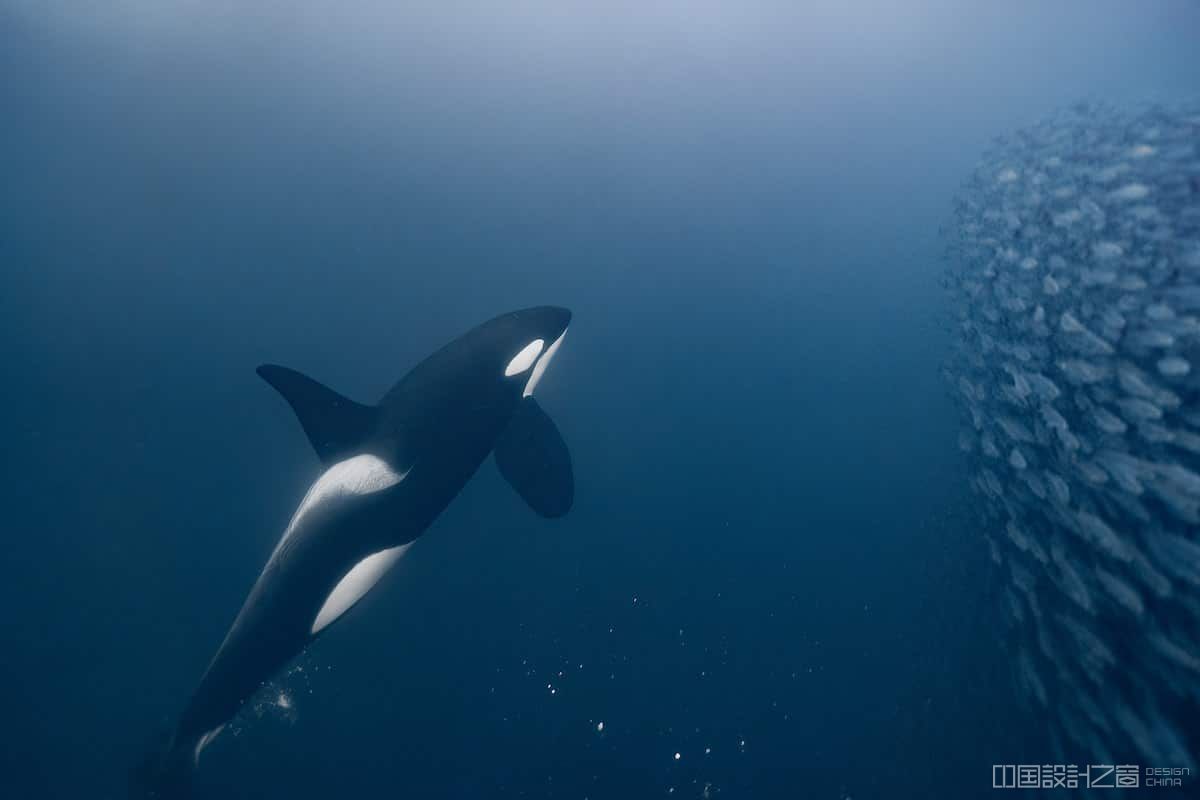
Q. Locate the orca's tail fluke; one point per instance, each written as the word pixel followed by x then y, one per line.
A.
pixel 165 773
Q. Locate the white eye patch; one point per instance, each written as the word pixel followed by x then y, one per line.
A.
pixel 524 359
pixel 540 369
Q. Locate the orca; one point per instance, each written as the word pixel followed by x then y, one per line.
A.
pixel 388 471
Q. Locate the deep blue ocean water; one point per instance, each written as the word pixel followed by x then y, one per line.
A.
pixel 771 567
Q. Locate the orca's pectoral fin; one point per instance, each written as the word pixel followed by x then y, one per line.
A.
pixel 533 458
pixel 335 425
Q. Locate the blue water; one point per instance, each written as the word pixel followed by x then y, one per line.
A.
pixel 771 568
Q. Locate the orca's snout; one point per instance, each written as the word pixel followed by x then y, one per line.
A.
pixel 548 323
pixel 557 320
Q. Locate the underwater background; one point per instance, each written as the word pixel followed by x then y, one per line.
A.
pixel 772 568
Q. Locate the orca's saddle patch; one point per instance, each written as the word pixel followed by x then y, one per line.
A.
pixel 533 458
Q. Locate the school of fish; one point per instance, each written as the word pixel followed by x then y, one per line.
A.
pixel 1074 274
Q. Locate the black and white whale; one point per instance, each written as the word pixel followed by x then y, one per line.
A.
pixel 389 470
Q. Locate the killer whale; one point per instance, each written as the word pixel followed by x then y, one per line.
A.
pixel 388 471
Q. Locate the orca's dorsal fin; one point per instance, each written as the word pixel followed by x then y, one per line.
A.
pixel 534 459
pixel 335 425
